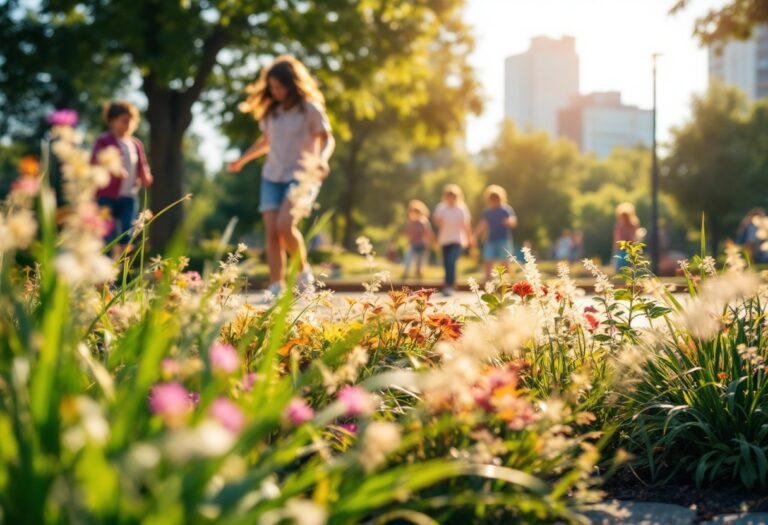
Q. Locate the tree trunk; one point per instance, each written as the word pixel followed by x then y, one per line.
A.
pixel 714 234
pixel 169 113
pixel 169 117
pixel 350 195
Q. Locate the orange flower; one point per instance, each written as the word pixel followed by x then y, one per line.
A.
pixel 29 166
pixel 397 298
pixel 288 346
pixel 722 376
pixel 415 334
pixel 447 325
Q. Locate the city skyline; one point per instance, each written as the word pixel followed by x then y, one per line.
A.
pixel 614 41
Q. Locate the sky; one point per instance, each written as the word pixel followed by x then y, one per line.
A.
pixel 614 40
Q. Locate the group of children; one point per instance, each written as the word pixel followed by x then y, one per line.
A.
pixel 287 103
pixel 453 221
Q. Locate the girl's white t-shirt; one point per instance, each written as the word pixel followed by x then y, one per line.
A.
pixel 292 133
pixel 454 221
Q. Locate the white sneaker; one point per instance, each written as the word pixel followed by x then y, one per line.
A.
pixel 272 292
pixel 305 279
pixel 447 291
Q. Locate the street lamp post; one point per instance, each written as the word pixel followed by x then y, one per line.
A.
pixel 654 244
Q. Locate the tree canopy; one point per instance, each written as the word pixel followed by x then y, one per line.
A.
pixel 182 52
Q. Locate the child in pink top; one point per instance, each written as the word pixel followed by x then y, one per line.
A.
pixel 420 235
pixel 454 232
pixel 120 196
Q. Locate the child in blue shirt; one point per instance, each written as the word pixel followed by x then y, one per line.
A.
pixel 497 221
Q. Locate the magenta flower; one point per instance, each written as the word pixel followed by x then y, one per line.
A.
pixel 170 401
pixel 224 358
pixel 194 398
pixel 63 117
pixel 356 401
pixel 298 411
pixel 349 427
pixel 228 414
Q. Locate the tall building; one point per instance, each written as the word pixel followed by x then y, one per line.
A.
pixel 743 64
pixel 540 82
pixel 599 122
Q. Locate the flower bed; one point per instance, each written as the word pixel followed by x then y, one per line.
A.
pixel 165 399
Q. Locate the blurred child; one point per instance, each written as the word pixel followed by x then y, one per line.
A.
pixel 420 236
pixel 497 221
pixel 120 196
pixel 454 231
pixel 626 229
pixel 563 246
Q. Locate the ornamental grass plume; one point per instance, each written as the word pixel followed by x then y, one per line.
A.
pixel 302 195
pixel 703 315
pixel 80 260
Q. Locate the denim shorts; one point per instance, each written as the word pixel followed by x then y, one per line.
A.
pixel 273 194
pixel 497 250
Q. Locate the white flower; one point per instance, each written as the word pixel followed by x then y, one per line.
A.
pixel 208 439
pixel 380 439
pixel 473 286
pixel 602 283
pixel 734 260
pixel 709 265
pixel 364 246
pixel 17 230
pixel 296 511
pixel 143 218
pixel 110 159
pixel 750 356
pixel 77 268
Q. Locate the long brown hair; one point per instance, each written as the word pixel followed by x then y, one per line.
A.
pixel 293 75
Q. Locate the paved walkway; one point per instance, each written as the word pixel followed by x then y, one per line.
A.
pixel 636 513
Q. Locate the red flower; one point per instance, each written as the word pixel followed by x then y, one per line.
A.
pixel 522 289
pixel 592 321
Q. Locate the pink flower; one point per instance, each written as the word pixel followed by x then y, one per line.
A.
pixel 26 185
pixel 193 279
pixel 356 401
pixel 170 401
pixel 93 217
pixel 298 411
pixel 63 117
pixel 248 381
pixel 169 367
pixel 228 414
pixel 224 358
